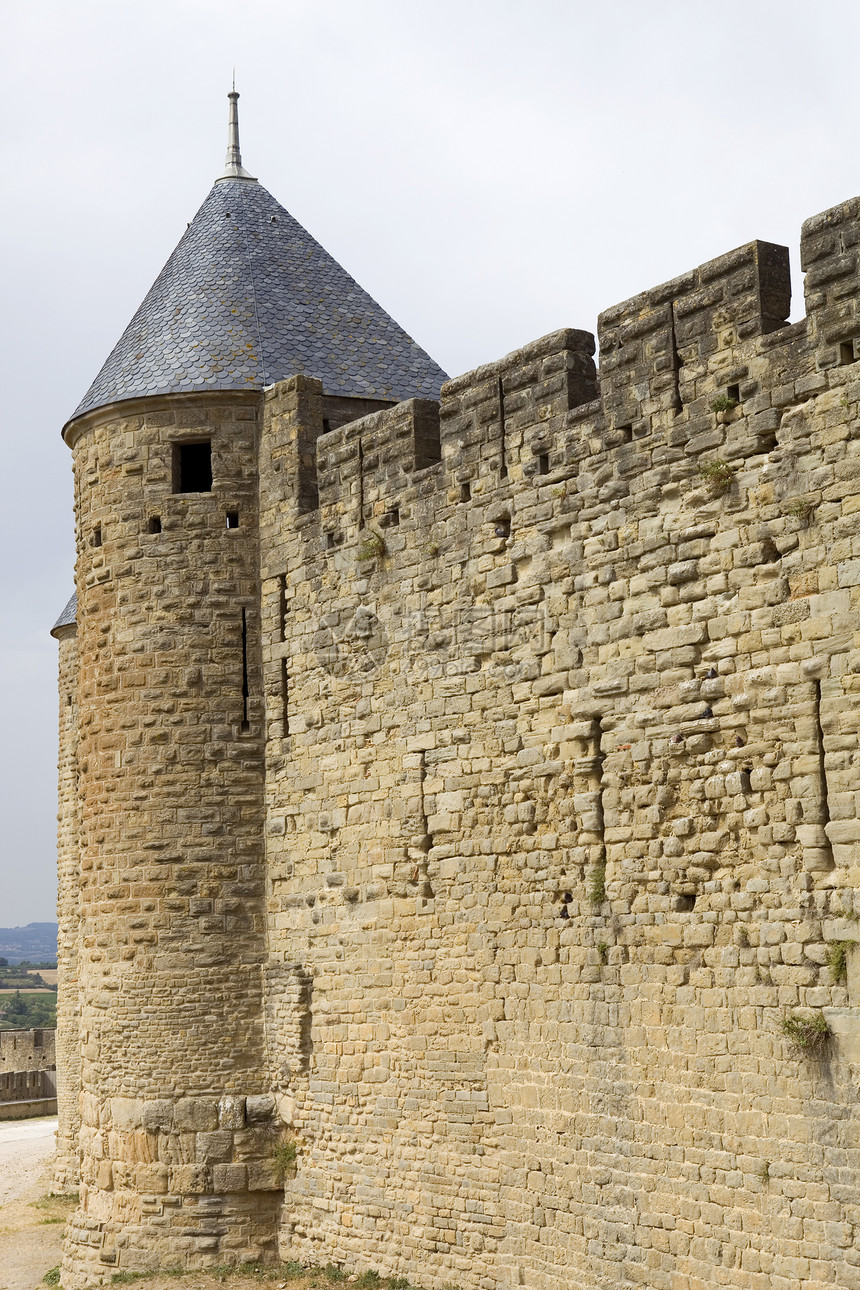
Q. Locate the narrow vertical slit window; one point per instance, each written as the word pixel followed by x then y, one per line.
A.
pixel 466 492
pixel 232 519
pixel 154 525
pixel 97 535
pixel 246 724
pixel 543 463
pixel 503 447
pixel 823 798
pixel 677 364
pixel 360 485
pixel 282 606
pixel 285 696
pixel 733 392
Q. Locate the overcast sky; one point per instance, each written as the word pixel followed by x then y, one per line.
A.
pixel 489 170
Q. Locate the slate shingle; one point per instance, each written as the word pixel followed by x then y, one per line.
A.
pixel 69 614
pixel 248 298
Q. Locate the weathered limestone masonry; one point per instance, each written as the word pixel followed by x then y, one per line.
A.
pixel 174 1137
pixel 561 800
pixel 28 1073
pixel 67 1164
pixel 463 798
pixel 27 1050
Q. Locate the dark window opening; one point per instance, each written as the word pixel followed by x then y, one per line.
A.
pixel 329 541
pixel 246 724
pixel 97 535
pixel 543 463
pixel 69 700
pixel 390 519
pixel 285 695
pixel 626 433
pixel 154 524
pixel 466 492
pixel 326 425
pixel 502 527
pixel 733 392
pixel 192 467
pixel 232 519
pixel 746 782
pixel 846 352
pixel 685 904
pixel 282 606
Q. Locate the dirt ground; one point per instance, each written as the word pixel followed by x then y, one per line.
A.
pixel 32 1220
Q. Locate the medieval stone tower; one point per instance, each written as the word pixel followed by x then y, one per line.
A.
pixel 459 840
pixel 163 925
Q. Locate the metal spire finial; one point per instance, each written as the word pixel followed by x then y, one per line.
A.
pixel 233 168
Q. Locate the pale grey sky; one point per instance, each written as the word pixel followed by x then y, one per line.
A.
pixel 489 170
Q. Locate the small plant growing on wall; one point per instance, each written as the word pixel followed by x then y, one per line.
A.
pixel 603 951
pixel 597 885
pixel 808 1034
pixel 837 960
pixel 372 546
pixel 800 510
pixel 284 1155
pixel 717 474
pixel 723 403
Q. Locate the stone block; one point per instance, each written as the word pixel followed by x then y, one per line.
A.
pixel 259 1108
pixel 229 1178
pixel 212 1147
pixel 195 1113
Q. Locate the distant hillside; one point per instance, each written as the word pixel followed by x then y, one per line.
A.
pixel 36 942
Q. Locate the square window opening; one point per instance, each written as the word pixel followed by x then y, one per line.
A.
pixel 154 524
pixel 232 519
pixel 466 492
pixel 734 392
pixel 846 352
pixel 192 467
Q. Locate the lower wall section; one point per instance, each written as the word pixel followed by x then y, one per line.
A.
pixel 29 1109
pixel 610 1120
pixel 175 1183
pixel 176 1232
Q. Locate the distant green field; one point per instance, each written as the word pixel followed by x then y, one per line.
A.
pixel 21 1010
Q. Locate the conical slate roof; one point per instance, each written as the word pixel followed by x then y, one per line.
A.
pixel 249 297
pixel 69 615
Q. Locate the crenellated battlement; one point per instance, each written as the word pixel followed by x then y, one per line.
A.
pixel 666 355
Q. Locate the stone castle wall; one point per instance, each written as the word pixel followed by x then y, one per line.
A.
pixel 562 801
pixel 552 746
pixel 27 1050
